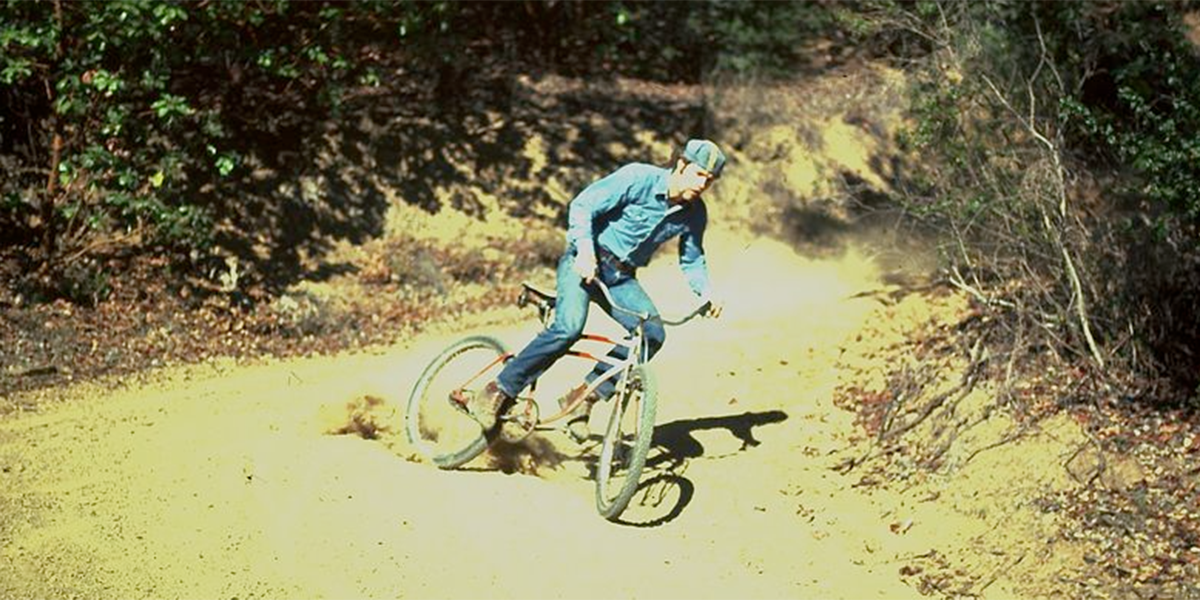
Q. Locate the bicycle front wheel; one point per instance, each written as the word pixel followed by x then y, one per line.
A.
pixel 626 442
pixel 435 427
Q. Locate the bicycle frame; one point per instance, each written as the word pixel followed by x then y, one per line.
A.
pixel 635 348
pixel 614 369
pixel 628 435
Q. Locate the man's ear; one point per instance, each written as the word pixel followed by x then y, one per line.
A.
pixel 680 165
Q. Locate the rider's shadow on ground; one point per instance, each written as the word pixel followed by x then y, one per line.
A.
pixel 677 443
pixel 664 492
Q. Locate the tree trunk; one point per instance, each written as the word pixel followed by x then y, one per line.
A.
pixel 49 229
pixel 49 222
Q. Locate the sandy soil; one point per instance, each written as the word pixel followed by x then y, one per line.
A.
pixel 224 481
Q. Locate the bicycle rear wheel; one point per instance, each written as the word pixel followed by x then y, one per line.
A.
pixel 437 429
pixel 626 442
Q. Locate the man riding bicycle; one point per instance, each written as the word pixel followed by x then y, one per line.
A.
pixel 614 227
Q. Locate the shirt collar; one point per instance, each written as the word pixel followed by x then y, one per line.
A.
pixel 660 192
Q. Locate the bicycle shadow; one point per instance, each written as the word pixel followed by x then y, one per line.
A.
pixel 663 496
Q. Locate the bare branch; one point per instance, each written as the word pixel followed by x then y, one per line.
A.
pixel 1060 189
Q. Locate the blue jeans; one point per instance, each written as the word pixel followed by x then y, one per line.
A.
pixel 570 315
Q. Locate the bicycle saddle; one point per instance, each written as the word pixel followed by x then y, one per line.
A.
pixel 532 294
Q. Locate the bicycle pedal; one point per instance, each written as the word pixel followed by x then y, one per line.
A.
pixel 459 399
pixel 519 420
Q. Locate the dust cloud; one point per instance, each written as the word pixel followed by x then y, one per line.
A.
pixel 368 415
pixel 532 456
pixel 365 415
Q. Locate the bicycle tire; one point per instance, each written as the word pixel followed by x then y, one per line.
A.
pixel 438 431
pixel 623 453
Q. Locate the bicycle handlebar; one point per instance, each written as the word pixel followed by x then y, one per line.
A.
pixel 699 310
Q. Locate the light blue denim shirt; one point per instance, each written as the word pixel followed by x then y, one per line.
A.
pixel 627 213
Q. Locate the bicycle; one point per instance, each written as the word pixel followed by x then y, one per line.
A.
pixel 439 427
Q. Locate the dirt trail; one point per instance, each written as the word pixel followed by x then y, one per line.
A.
pixel 223 482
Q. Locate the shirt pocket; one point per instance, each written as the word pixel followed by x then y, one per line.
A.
pixel 640 221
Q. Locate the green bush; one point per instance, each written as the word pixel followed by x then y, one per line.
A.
pixel 158 105
pixel 1141 108
pixel 1015 102
pixel 760 38
pixel 138 99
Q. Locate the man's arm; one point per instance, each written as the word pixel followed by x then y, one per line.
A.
pixel 595 200
pixel 691 252
pixel 693 262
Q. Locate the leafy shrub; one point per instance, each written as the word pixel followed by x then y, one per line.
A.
pixel 137 122
pixel 1140 107
pixel 158 112
pixel 1018 102
pixel 759 39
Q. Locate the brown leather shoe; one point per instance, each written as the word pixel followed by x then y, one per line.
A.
pixel 485 406
pixel 577 419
